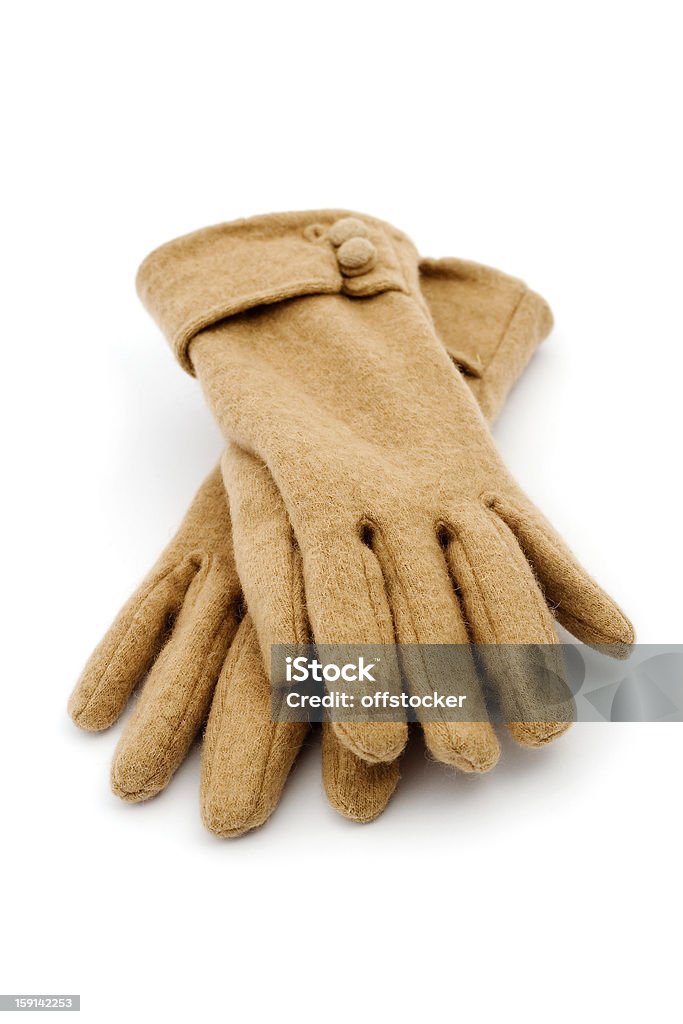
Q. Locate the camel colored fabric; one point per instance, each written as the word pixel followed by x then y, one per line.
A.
pixel 360 471
pixel 185 628
pixel 489 323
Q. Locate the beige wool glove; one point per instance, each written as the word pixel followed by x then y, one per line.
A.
pixel 184 627
pixel 363 481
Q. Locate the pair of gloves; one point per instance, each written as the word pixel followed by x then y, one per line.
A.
pixel 360 500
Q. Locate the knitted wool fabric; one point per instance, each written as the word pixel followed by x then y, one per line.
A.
pixel 360 470
pixel 181 626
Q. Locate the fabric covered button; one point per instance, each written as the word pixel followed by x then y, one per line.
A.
pixel 356 256
pixel 346 228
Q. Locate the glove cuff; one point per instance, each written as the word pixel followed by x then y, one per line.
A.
pixel 489 323
pixel 195 281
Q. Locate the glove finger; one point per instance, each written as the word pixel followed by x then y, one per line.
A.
pixel 176 696
pixel 578 603
pixel 347 606
pixel 267 558
pixel 129 647
pixel 426 611
pixel 508 617
pixel 246 757
pixel 358 790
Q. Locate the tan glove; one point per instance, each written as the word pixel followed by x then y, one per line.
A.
pixel 181 625
pixel 360 470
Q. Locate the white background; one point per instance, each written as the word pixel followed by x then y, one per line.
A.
pixel 540 138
